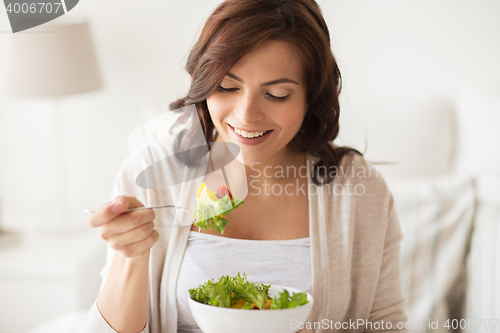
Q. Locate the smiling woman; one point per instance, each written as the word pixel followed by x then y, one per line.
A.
pixel 293 60
pixel 264 79
pixel 268 95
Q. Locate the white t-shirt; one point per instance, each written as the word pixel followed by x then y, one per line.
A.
pixel 277 262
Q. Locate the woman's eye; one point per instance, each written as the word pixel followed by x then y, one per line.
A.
pixel 278 99
pixel 227 90
pixel 269 96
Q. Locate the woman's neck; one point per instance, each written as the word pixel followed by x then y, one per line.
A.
pixel 280 168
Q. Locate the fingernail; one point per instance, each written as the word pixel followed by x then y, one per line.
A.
pixel 118 207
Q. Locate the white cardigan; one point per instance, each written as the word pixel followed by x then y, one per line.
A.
pixel 355 246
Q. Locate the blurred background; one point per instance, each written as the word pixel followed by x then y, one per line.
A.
pixel 420 96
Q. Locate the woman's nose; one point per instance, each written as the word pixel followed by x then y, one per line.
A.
pixel 248 109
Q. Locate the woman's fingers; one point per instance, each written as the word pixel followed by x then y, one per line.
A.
pixel 138 249
pixel 126 222
pixel 130 233
pixel 112 209
pixel 118 241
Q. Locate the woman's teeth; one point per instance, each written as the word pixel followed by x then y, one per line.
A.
pixel 249 134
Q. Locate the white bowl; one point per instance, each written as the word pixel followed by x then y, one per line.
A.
pixel 214 319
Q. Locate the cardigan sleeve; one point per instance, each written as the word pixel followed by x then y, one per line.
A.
pixel 389 303
pixel 97 324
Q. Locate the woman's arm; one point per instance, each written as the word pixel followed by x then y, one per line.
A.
pixel 96 322
pixel 123 301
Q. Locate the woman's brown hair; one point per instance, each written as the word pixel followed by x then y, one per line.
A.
pixel 231 31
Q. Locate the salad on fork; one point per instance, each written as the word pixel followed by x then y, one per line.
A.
pixel 212 206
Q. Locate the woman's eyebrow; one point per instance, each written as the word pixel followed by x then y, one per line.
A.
pixel 282 80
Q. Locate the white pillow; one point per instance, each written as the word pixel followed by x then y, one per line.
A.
pixel 436 221
pixel 488 188
pixel 417 136
pixel 478 134
pixel 483 278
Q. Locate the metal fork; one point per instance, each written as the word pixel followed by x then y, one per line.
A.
pixel 164 206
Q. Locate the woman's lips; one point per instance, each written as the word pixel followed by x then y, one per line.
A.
pixel 251 141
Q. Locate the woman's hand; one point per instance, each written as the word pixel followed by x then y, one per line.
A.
pixel 131 234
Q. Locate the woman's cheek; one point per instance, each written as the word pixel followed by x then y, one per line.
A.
pixel 216 105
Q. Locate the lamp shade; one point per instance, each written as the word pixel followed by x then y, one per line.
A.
pixel 54 60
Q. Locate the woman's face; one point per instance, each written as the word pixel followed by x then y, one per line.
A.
pixel 263 91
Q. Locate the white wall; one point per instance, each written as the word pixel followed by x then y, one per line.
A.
pixel 402 62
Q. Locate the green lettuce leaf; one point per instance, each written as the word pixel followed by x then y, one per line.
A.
pixel 256 293
pixel 214 293
pixel 284 300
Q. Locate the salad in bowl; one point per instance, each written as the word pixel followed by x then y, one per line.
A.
pixel 233 304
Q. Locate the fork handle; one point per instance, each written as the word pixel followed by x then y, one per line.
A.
pixel 165 206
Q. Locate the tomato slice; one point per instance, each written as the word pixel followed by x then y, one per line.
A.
pixel 222 191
